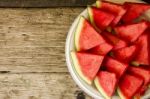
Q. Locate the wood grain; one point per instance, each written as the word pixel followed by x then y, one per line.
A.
pixel 33 40
pixel 32 54
pixel 38 86
pixel 45 3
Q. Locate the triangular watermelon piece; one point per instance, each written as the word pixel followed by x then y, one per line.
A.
pixel 128 86
pixel 142 58
pixel 131 32
pixel 115 41
pixel 125 54
pixel 143 73
pixel 102 49
pixel 86 65
pixel 100 19
pixel 116 9
pixel 86 36
pixel 106 82
pixel 115 66
pixel 134 10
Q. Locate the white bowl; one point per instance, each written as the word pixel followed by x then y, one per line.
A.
pixel 90 90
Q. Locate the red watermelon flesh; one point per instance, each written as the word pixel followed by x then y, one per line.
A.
pixel 100 18
pixel 102 49
pixel 116 9
pixel 134 10
pixel 128 86
pixel 86 65
pixel 125 54
pixel 147 68
pixel 143 73
pixel 115 66
pixel 131 32
pixel 142 58
pixel 106 83
pixel 115 41
pixel 86 36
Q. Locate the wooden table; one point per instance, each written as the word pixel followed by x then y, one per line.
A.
pixel 32 53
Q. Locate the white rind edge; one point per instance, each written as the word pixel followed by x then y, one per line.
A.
pixel 100 89
pixel 98 3
pixel 90 13
pixel 78 69
pixel 120 93
pixel 77 33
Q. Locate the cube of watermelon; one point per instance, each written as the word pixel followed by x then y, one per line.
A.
pixel 125 54
pixel 99 18
pixel 86 65
pixel 131 32
pixel 86 37
pixel 115 66
pixel 116 9
pixel 142 58
pixel 143 73
pixel 106 82
pixel 114 40
pixel 102 49
pixel 134 10
pixel 128 86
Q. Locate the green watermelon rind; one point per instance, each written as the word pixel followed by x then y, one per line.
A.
pixel 98 3
pixel 78 69
pixel 120 93
pixel 135 63
pixel 100 89
pixel 78 32
pixel 90 13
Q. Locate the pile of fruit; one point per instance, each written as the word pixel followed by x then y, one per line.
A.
pixel 112 49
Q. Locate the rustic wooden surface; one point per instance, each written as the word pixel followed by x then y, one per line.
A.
pixel 45 3
pixel 32 59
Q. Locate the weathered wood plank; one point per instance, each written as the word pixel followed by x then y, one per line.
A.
pixel 45 3
pixel 33 40
pixel 38 86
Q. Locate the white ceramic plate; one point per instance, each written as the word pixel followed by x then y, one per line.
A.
pixel 90 90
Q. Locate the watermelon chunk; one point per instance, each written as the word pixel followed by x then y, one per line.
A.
pixel 106 82
pixel 115 66
pixel 131 32
pixel 143 73
pixel 102 49
pixel 142 58
pixel 116 9
pixel 125 54
pixel 100 19
pixel 134 10
pixel 128 86
pixel 86 65
pixel 86 36
pixel 115 41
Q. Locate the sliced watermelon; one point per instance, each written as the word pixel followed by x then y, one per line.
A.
pixel 86 65
pixel 115 66
pixel 100 19
pixel 142 58
pixel 134 10
pixel 115 41
pixel 116 9
pixel 125 54
pixel 131 32
pixel 106 82
pixel 128 86
pixel 86 36
pixel 102 49
pixel 143 73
